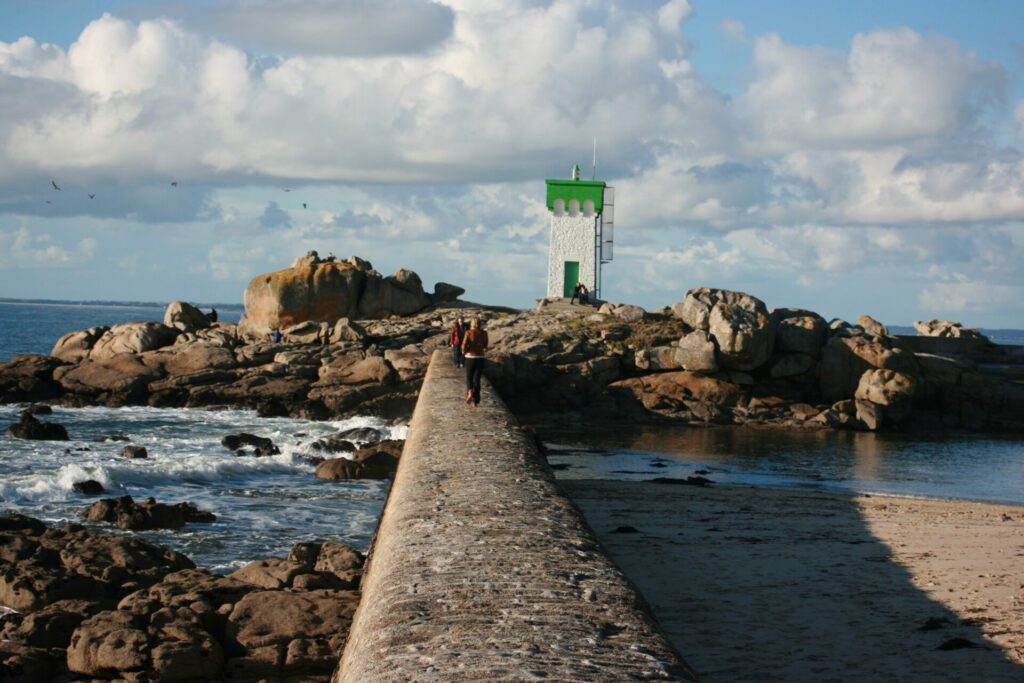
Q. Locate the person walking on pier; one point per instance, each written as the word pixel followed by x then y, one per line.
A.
pixel 474 346
pixel 455 339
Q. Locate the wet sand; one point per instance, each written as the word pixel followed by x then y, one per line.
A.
pixel 781 585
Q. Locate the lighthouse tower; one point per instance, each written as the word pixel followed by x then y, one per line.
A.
pixel 582 223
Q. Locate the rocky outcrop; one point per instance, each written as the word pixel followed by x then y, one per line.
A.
pixel 890 389
pixel 946 328
pixel 845 360
pixel 185 317
pixel 324 290
pixel 134 338
pixel 739 324
pixel 799 331
pixel 29 378
pixel 446 293
pixel 696 352
pixel 118 380
pixel 125 513
pixel 784 368
pixel 744 338
pixel 28 427
pixel 627 312
pixel 398 294
pixel 346 330
pixel 75 346
pixel 872 327
pixel 378 461
pixel 102 607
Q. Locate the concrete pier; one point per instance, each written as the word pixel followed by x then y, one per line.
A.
pixel 482 570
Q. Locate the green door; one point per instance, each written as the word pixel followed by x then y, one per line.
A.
pixel 572 276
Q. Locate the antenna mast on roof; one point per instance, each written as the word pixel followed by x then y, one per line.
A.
pixel 593 175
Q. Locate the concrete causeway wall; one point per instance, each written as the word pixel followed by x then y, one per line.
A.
pixel 482 570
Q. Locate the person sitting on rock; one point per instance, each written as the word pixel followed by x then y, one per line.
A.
pixel 474 346
pixel 212 315
pixel 580 292
pixel 458 332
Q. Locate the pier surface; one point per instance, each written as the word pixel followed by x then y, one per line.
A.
pixel 482 570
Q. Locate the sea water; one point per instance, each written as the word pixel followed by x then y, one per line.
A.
pixel 958 465
pixel 264 506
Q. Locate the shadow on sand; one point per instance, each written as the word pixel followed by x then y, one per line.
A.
pixel 781 585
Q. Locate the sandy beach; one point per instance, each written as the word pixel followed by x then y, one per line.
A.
pixel 782 585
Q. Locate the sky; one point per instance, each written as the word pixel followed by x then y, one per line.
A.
pixel 849 158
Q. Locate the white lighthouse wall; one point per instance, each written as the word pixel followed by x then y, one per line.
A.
pixel 572 239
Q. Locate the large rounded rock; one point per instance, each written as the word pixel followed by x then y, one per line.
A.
pixel 872 326
pixel 28 427
pixel 29 378
pixel 696 352
pixel 123 376
pixel 134 337
pixel 75 346
pixel 109 642
pixel 799 331
pixel 445 292
pixel 312 290
pixel 398 294
pixel 744 335
pixel 695 308
pixel 378 461
pixel 887 388
pixel 185 317
pixel 845 359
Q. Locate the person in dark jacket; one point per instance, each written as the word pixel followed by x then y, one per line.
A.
pixel 580 292
pixel 474 346
pixel 212 315
pixel 455 340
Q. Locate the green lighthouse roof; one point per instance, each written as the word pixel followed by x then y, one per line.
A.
pixel 580 190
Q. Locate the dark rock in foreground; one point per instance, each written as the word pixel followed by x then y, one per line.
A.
pixel 89 487
pixel 125 513
pixel 101 606
pixel 378 461
pixel 134 452
pixel 28 427
pixel 262 446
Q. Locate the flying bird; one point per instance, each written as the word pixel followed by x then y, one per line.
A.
pixel 303 205
pixel 174 183
pixel 49 202
pixel 54 183
pixel 92 196
pixel 287 189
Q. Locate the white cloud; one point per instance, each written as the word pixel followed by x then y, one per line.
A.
pixel 893 86
pixel 22 248
pixel 239 264
pixel 431 147
pixel 673 13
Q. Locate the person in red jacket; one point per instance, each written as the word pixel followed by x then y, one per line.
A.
pixel 474 346
pixel 458 333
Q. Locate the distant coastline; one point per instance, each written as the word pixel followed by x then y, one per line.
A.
pixel 100 303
